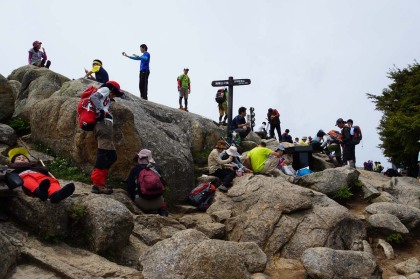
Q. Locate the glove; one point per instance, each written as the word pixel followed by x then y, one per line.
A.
pixel 101 115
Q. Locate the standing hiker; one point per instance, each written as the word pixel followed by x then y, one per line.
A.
pixel 273 117
pixel 144 69
pixel 184 88
pixel 106 154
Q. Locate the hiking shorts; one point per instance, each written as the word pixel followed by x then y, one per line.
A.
pixel 183 93
pixel 223 109
pixel 148 205
pixel 104 134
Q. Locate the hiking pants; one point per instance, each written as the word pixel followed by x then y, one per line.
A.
pixel 32 179
pixel 104 160
pixel 226 175
pixel 143 83
pixel 278 129
pixel 349 153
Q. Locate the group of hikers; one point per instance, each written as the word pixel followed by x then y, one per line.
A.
pixel 373 166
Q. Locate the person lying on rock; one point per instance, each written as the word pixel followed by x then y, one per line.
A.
pixel 36 180
pixel 145 185
pixel 221 168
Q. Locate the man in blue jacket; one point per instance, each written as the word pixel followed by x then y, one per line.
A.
pixel 144 69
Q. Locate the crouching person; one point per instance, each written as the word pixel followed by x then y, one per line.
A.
pixel 221 168
pixel 146 186
pixel 36 180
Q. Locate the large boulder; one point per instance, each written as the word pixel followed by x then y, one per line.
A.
pixel 408 215
pixel 325 263
pixel 190 254
pixel 6 99
pixel 173 135
pixel 7 135
pixel 387 223
pixel 9 255
pixel 406 190
pixel 329 181
pixel 36 84
pixel 284 219
pixel 108 223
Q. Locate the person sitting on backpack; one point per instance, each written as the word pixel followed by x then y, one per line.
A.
pixel 149 201
pixel 37 57
pixel 36 179
pixel 239 124
pixel 221 168
pixel 101 75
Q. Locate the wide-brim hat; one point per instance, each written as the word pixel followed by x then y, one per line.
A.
pixel 280 147
pixel 145 157
pixel 233 151
pixel 18 151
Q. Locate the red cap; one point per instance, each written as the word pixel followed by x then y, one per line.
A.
pixel 36 43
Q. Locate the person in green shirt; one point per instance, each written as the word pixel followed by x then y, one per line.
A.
pixel 264 160
pixel 223 109
pixel 184 88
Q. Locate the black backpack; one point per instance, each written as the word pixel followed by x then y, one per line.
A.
pixel 220 96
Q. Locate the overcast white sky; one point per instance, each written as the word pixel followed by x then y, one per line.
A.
pixel 312 60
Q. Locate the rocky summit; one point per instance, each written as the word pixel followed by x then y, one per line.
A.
pixel 263 227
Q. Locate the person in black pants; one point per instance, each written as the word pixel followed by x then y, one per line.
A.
pixel 144 69
pixel 221 168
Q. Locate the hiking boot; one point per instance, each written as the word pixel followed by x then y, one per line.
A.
pixel 186 109
pixel 42 190
pixel 63 193
pixel 181 107
pixel 48 64
pixel 102 190
pixel 223 188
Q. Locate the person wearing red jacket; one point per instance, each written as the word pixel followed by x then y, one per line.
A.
pixel 36 179
pixel 273 117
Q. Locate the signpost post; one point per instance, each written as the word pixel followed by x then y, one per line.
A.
pixel 230 83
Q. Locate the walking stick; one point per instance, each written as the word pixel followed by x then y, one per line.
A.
pixel 42 163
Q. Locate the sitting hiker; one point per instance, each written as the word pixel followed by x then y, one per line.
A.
pixel 264 160
pixel 286 137
pixel 317 141
pixel 145 186
pixel 36 180
pixel 332 148
pixel 37 57
pixel 296 141
pixel 236 162
pixel 261 131
pixel 239 124
pixel 101 75
pixel 221 168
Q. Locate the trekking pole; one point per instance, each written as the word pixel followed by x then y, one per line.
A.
pixel 42 163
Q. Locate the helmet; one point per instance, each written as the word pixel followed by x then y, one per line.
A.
pixel 115 87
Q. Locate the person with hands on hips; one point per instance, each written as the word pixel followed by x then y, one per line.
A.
pixel 103 131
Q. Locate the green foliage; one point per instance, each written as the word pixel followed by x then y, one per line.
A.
pixel 63 168
pixel 21 126
pixel 343 194
pixel 358 183
pixel 399 128
pixel 395 238
pixel 77 212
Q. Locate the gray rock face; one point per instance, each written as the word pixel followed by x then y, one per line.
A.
pixel 408 215
pixel 36 84
pixel 49 219
pixel 174 136
pixel 284 219
pixel 190 254
pixel 387 222
pixel 151 229
pixel 329 181
pixel 408 267
pixel 327 263
pixel 7 135
pixel 108 222
pixel 6 99
pixel 9 255
pixel 406 190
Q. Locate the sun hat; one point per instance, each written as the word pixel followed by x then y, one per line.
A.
pixel 233 151
pixel 145 157
pixel 280 147
pixel 304 138
pixel 18 151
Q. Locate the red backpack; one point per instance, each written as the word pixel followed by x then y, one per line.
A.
pixel 335 135
pixel 86 111
pixel 149 183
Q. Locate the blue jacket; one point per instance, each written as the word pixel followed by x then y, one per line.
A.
pixel 144 61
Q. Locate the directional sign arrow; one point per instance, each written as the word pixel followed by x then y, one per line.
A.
pixel 218 83
pixel 241 81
